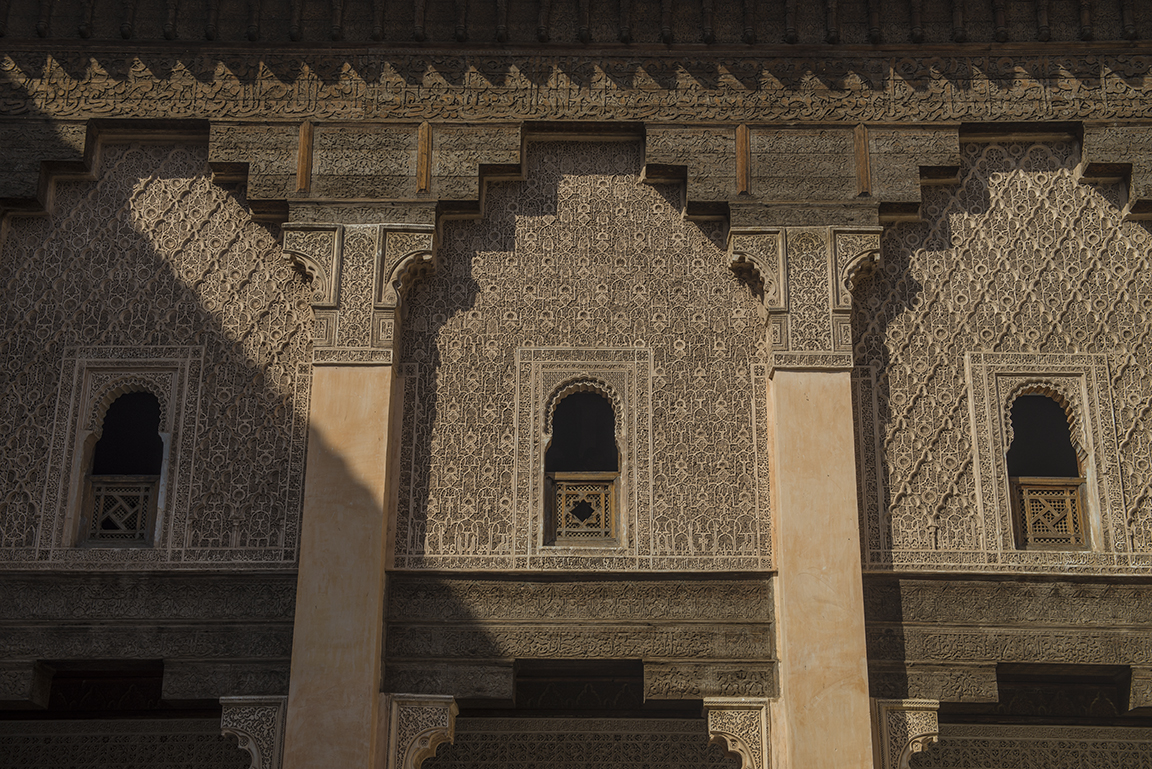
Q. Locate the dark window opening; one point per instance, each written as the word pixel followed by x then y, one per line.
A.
pixel 121 492
pixel 1041 442
pixel 583 436
pixel 1044 472
pixel 130 442
pixel 582 466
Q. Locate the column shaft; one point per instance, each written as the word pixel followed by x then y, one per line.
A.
pixel 822 720
pixel 335 684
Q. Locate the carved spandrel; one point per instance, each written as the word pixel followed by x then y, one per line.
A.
pixel 417 724
pixel 902 728
pixel 740 726
pixel 258 724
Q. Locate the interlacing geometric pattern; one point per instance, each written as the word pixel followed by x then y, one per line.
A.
pixel 582 255
pixel 973 746
pixel 153 254
pixel 120 508
pixel 577 743
pixel 1018 259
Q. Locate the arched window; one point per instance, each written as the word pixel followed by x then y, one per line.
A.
pixel 124 479
pixel 581 468
pixel 1045 473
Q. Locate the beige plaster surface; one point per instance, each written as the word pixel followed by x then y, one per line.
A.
pixel 334 691
pixel 822 719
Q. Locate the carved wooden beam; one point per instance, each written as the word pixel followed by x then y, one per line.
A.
pixel 258 724
pixel 739 725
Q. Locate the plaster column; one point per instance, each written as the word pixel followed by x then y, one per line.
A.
pixel 335 683
pixel 334 691
pixel 822 719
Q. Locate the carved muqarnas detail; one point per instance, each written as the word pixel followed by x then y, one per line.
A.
pixel 740 726
pixel 417 725
pixel 258 724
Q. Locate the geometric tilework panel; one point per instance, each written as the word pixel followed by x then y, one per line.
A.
pixel 1036 747
pixel 128 744
pixel 585 257
pixel 149 260
pixel 577 743
pixel 1021 261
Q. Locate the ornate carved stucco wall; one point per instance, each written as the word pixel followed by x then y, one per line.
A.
pixel 1019 274
pixel 583 269
pixel 632 743
pixel 153 268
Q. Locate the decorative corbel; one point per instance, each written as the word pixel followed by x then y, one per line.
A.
pixel 902 728
pixel 258 724
pixel 856 252
pixel 739 725
pixel 315 250
pixel 758 258
pixel 409 255
pixel 417 725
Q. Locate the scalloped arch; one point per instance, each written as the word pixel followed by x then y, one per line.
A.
pixel 584 384
pixel 128 384
pixel 1066 401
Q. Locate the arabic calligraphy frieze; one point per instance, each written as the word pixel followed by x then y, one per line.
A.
pixel 400 86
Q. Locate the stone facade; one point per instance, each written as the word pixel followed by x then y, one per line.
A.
pixel 809 255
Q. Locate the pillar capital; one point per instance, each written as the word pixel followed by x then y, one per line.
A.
pixel 258 724
pixel 360 276
pixel 804 278
pixel 417 725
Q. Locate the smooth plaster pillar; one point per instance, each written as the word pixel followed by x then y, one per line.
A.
pixel 335 684
pixel 822 719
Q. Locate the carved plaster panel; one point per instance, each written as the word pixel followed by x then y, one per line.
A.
pixel 740 726
pixel 902 728
pixel 581 271
pixel 1021 266
pixel 258 724
pixel 130 269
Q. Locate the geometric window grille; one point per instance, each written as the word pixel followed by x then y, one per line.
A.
pixel 584 505
pixel 582 470
pixel 121 507
pixel 1049 513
